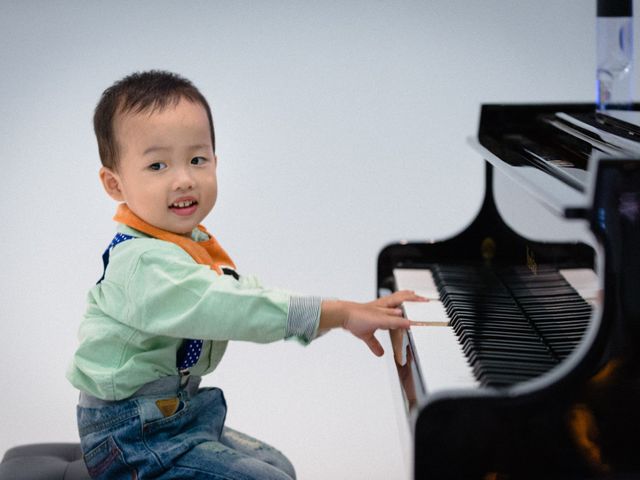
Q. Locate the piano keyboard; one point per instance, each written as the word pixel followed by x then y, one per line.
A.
pixel 493 326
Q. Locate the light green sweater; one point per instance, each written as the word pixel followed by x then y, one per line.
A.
pixel 153 296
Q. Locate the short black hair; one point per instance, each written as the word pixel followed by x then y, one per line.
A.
pixel 137 92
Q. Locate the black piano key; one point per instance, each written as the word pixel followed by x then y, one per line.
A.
pixel 503 347
pixel 507 329
pixel 542 357
pixel 490 367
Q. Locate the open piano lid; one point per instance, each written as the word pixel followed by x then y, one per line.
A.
pixel 553 150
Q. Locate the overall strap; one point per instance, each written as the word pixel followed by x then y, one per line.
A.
pixel 119 238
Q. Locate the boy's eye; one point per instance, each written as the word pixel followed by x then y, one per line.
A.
pixel 158 166
pixel 198 160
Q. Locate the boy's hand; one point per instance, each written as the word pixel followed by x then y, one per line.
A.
pixel 363 319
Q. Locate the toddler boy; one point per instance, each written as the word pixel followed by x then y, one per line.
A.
pixel 170 299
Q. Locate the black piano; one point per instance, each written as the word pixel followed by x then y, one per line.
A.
pixel 526 362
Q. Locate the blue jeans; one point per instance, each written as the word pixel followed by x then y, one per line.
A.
pixel 170 433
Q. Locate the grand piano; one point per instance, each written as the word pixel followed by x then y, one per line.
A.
pixel 525 364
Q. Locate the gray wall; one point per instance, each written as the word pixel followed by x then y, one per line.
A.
pixel 341 127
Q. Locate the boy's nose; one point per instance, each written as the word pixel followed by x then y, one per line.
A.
pixel 183 180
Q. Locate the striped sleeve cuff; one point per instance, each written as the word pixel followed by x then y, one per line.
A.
pixel 304 317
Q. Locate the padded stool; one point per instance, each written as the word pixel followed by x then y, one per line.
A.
pixel 44 461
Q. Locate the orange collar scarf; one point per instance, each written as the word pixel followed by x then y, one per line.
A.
pixel 208 252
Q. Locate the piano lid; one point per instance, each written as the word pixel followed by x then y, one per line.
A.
pixel 558 196
pixel 552 151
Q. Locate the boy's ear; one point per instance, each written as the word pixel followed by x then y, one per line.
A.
pixel 111 183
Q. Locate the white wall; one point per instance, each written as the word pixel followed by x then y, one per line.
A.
pixel 341 127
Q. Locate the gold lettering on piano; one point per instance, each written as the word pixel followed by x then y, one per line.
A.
pixel 488 248
pixel 531 261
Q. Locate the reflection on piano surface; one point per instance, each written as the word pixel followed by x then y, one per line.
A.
pixel 525 364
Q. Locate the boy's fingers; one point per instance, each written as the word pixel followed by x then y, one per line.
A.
pixel 374 346
pixel 414 297
pixel 399 297
pixel 395 322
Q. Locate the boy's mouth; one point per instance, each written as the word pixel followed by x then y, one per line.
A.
pixel 184 207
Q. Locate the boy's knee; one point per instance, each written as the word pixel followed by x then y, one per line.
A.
pixel 276 459
pixel 282 463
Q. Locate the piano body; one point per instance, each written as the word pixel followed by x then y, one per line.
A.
pixel 526 365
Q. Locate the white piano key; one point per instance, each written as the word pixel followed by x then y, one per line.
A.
pixel 441 360
pixel 585 281
pixel 418 280
pixel 431 312
pixel 438 353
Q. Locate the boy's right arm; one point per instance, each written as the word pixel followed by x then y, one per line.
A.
pixel 363 319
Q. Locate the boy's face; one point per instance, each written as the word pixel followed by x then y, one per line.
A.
pixel 166 169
